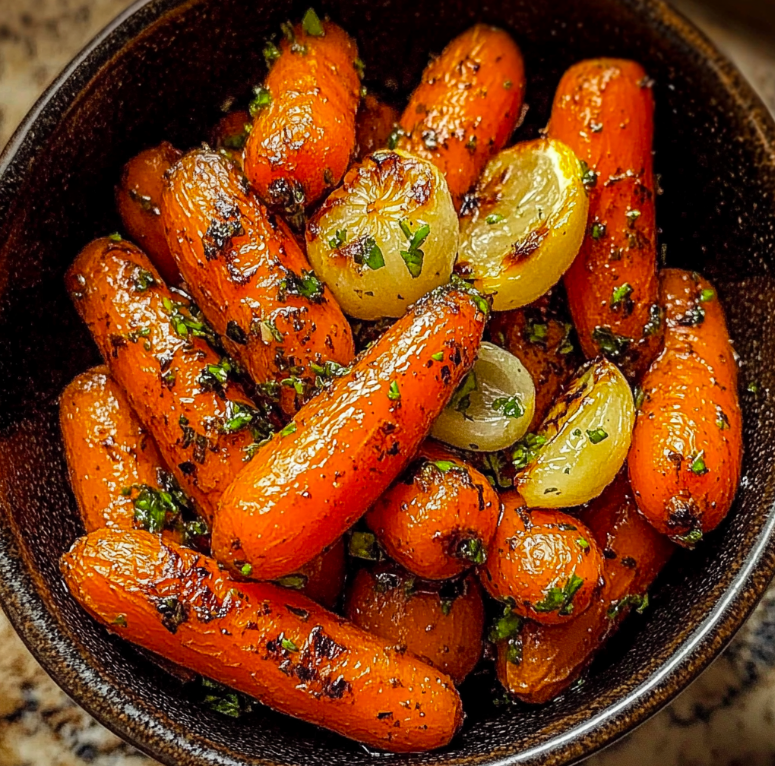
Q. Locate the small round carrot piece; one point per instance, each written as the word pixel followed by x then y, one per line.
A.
pixel 251 279
pixel 265 641
pixel 552 657
pixel 604 111
pixel 374 124
pixel 546 564
pixel 344 448
pixel 303 134
pixel 138 197
pixel 439 518
pixel 442 624
pixel 466 107
pixel 687 446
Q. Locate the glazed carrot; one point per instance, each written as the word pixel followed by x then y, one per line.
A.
pixel 204 425
pixel 343 449
pixel 138 197
pixel 545 563
pixel 466 107
pixel 552 657
pixel 322 579
pixel 542 338
pixel 230 135
pixel 441 623
pixel 374 124
pixel 271 643
pixel 303 133
pixel 107 450
pixel 604 111
pixel 439 518
pixel 687 445
pixel 251 280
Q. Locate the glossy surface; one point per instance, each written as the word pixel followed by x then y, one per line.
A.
pixel 230 135
pixel 319 475
pixel 687 446
pixel 138 197
pixel 251 280
pixel 466 107
pixel 554 656
pixel 442 626
pixel 107 450
pixel 527 224
pixel 290 653
pixel 546 562
pixel 301 143
pixel 604 111
pixel 383 203
pixel 119 295
pixel 493 408
pixel 439 518
pixel 586 437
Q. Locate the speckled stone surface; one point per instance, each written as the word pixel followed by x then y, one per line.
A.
pixel 726 718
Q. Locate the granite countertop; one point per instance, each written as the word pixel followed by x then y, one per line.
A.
pixel 726 718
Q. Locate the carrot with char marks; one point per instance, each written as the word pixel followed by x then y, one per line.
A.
pixel 251 279
pixel 303 134
pixel 343 449
pixel 687 446
pixel 203 423
pixel 552 657
pixel 604 111
pixel 138 198
pixel 466 107
pixel 265 641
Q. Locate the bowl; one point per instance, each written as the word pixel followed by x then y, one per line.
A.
pixel 162 70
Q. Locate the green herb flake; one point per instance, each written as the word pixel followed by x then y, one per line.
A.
pixel 753 387
pixel 395 134
pixel 271 53
pixel 610 344
pixel 363 545
pixel 115 237
pixel 443 465
pixel 372 254
pixel 494 218
pixel 438 356
pixel 289 645
pixel 621 295
pixel 639 396
pixel 261 99
pixel 339 238
pixel 142 280
pixel 507 626
pixel 289 429
pixel 588 176
pixel 707 295
pixel 582 543
pixel 635 601
pixel 537 333
pixel 598 230
pixel 393 392
pixel 120 621
pixel 461 400
pixel 510 407
pixel 722 421
pixel 270 332
pixel 698 466
pixel 246 570
pixel 414 256
pixel 311 24
pixel 560 600
pixel 508 84
pixel 526 450
pixel 597 435
pixel 632 216
pixel 360 68
pixel 292 581
pixel 690 539
pixel 471 549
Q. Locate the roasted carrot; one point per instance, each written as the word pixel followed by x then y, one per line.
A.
pixel 687 445
pixel 542 338
pixel 107 449
pixel 303 133
pixel 343 449
pixel 604 111
pixel 546 564
pixel 374 125
pixel 138 197
pixel 466 107
pixel 439 518
pixel 271 643
pixel 552 657
pixel 204 425
pixel 441 623
pixel 230 134
pixel 322 579
pixel 251 280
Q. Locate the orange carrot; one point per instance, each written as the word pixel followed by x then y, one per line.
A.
pixel 268 642
pixel 374 124
pixel 322 579
pixel 230 134
pixel 343 449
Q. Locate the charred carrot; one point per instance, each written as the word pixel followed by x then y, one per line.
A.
pixel 268 642
pixel 138 197
pixel 604 111
pixel 466 107
pixel 545 564
pixel 374 125
pixel 687 445
pixel 439 518
pixel 204 425
pixel 542 338
pixel 537 662
pixel 343 449
pixel 441 623
pixel 251 279
pixel 303 133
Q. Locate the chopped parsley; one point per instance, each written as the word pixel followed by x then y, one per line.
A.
pixel 655 320
pixel 215 376
pixel 271 53
pixel 185 321
pixel 722 421
pixel 560 600
pixel 632 216
pixel 698 466
pixel 752 387
pixel 526 450
pixel 639 603
pixel 289 645
pixel 707 295
pixel 597 435
pixel 471 549
pixel 363 545
pixel 339 238
pixel 115 237
pixel 537 333
pixel 413 257
pixel 588 176
pixel 443 465
pixel 269 331
pixel 583 543
pixel 261 99
pixel 292 581
pixel 461 400
pixel 438 356
pixel 511 406
pixel 598 230
pixel 507 629
pixel 307 286
pixel 621 295
pixel 142 279
pixel 225 701
pixel 493 467
pixel 289 429
pixel 494 218
pixel 690 539
pixel 246 570
pixel 611 344
pixel 311 24
pixel 157 508
pixel 395 134
pixel 393 392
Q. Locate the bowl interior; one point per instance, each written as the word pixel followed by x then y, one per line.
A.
pixel 164 73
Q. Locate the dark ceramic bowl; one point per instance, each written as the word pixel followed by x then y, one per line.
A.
pixel 162 70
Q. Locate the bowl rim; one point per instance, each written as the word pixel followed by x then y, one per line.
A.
pixel 38 628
